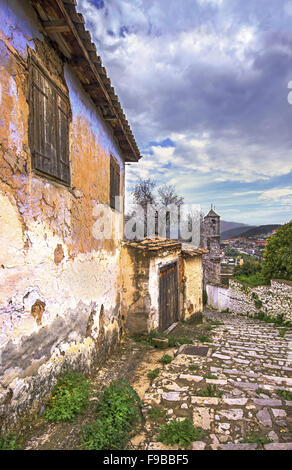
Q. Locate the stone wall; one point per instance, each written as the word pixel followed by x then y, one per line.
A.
pixel 60 287
pixel 274 300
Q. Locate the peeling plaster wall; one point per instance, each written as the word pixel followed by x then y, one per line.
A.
pixel 59 286
pixel 193 297
pixel 135 292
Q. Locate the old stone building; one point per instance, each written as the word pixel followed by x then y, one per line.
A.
pixel 162 283
pixel 211 242
pixel 64 141
pixel 68 289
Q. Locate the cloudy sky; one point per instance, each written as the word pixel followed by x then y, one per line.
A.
pixel 205 85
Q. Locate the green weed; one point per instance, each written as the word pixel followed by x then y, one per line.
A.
pixel 211 376
pixel 157 413
pixel 209 391
pixel 179 432
pixel 284 394
pixel 259 391
pixel 8 442
pixel 204 339
pixel 166 359
pixel 118 410
pixel 174 341
pixel 254 439
pixel 68 398
pixel 283 332
pixel 153 374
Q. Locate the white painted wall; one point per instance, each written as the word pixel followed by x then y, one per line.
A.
pixel 218 297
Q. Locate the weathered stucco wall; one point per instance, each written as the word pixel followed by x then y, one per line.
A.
pixel 59 285
pixel 135 291
pixel 274 300
pixel 193 297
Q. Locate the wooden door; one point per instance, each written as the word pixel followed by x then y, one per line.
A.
pixel 168 296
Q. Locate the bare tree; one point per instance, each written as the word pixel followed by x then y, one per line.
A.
pixel 143 195
pixel 143 192
pixel 167 196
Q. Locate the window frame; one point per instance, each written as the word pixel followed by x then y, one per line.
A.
pixel 115 182
pixel 36 127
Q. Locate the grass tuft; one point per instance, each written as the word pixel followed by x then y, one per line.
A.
pixel 254 439
pixel 260 391
pixel 179 432
pixel 119 407
pixel 153 374
pixel 8 442
pixel 284 394
pixel 157 413
pixel 166 359
pixel 69 397
pixel 209 391
pixel 204 339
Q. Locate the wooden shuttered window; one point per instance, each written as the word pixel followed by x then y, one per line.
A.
pixel 49 127
pixel 114 182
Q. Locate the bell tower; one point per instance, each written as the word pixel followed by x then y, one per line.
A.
pixel 211 242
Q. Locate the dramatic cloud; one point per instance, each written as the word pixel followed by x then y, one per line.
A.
pixel 204 84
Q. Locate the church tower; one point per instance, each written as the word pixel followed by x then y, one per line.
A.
pixel 211 242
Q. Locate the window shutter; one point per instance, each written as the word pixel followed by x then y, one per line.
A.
pixel 117 184
pixel 43 126
pixel 114 182
pixel 49 127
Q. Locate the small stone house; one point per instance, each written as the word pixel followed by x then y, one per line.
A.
pixel 162 283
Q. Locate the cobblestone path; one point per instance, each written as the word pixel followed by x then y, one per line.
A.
pixel 248 363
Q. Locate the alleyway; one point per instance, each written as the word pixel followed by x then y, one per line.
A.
pixel 246 365
pixel 247 362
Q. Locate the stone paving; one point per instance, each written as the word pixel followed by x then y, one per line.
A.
pixel 248 362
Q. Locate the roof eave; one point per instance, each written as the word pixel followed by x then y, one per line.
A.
pixel 65 26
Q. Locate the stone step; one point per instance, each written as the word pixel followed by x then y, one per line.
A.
pixel 279 446
pixel 272 446
pixel 231 446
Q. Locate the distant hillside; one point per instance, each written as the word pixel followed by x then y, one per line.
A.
pixel 262 229
pixel 224 225
pixel 236 232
